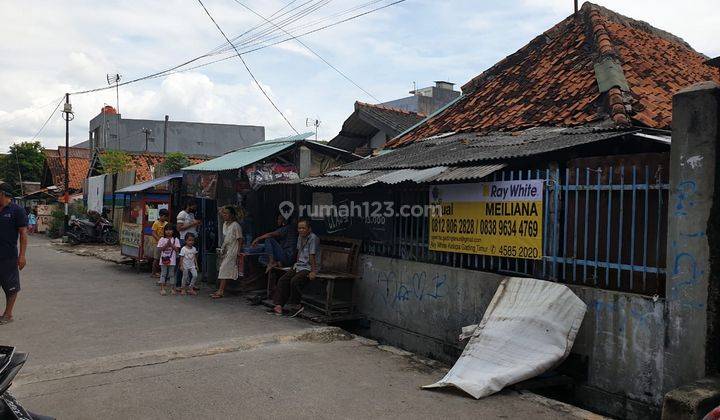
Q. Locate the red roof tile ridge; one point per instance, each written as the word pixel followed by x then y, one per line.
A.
pixel 613 16
pixel 386 108
pixel 603 43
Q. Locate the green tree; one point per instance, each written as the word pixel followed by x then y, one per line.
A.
pixel 115 161
pixel 24 161
pixel 173 163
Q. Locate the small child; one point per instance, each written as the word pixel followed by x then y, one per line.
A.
pixel 158 231
pixel 168 246
pixel 188 265
pixel 32 222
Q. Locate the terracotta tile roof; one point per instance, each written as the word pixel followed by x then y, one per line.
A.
pixel 78 170
pixel 145 164
pixel 368 119
pixel 552 81
pixel 398 119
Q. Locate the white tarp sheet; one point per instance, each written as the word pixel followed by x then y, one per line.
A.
pixel 528 328
pixel 95 193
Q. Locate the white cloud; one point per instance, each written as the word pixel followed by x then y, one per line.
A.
pixel 50 49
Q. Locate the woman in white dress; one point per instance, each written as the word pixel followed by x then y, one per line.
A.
pixel 232 244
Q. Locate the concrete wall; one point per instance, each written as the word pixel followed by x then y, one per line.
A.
pixel 622 336
pixel 424 104
pixel 186 137
pixel 695 138
pixel 422 307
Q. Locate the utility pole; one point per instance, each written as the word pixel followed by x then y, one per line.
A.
pixel 67 116
pixel 147 132
pixel 167 117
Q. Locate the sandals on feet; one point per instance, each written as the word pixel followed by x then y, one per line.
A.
pixel 4 320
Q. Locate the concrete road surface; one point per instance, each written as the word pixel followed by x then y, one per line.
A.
pixel 104 344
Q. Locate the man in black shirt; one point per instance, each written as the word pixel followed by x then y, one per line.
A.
pixel 13 222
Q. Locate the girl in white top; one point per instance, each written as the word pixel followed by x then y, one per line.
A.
pixel 188 265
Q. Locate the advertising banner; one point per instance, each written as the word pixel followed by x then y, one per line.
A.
pixel 200 184
pixel 502 219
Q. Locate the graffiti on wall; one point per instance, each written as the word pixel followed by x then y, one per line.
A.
pixel 418 286
pixel 686 269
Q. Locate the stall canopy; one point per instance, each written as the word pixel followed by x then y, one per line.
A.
pixel 259 151
pixel 148 184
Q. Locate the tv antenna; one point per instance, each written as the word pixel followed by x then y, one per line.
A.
pixel 115 79
pixel 313 122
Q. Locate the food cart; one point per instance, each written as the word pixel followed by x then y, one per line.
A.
pixel 142 204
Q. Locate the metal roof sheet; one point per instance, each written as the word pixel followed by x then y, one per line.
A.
pixel 467 173
pixel 466 148
pixel 347 174
pixel 343 179
pixel 359 181
pixel 148 184
pixel 297 137
pixel 259 151
pixel 413 175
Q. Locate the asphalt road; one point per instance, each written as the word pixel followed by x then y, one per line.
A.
pixel 104 344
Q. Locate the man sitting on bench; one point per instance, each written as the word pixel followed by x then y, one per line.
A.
pixel 291 284
pixel 279 245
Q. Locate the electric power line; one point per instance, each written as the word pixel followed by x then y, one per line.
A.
pixel 312 51
pixel 48 118
pixel 252 47
pixel 258 46
pixel 247 68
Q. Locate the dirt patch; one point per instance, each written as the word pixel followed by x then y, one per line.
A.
pixel 109 253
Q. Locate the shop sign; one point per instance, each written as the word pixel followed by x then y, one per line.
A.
pixel 502 219
pixel 131 235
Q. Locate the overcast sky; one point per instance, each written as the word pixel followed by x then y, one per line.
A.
pixel 51 47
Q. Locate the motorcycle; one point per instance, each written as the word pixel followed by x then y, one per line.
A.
pixel 101 230
pixel 10 364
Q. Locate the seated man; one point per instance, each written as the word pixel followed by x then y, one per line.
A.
pixel 278 245
pixel 291 284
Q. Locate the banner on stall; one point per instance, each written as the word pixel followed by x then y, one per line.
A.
pixel 502 219
pixel 200 184
pixel 130 235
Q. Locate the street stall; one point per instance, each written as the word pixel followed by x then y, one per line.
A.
pixel 255 179
pixel 141 207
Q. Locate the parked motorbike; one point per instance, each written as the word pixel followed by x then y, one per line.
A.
pixel 85 231
pixel 10 364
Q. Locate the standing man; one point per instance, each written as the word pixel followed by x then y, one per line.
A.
pixel 13 224
pixel 186 223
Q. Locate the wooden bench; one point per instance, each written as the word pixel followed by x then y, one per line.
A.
pixel 332 292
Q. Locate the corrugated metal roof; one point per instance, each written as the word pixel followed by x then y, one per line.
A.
pixel 148 184
pixel 359 181
pixel 297 137
pixel 259 151
pixel 242 157
pixel 468 172
pixel 413 175
pixel 347 174
pixel 418 176
pixel 466 148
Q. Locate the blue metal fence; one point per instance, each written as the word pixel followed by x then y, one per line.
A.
pixel 603 227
